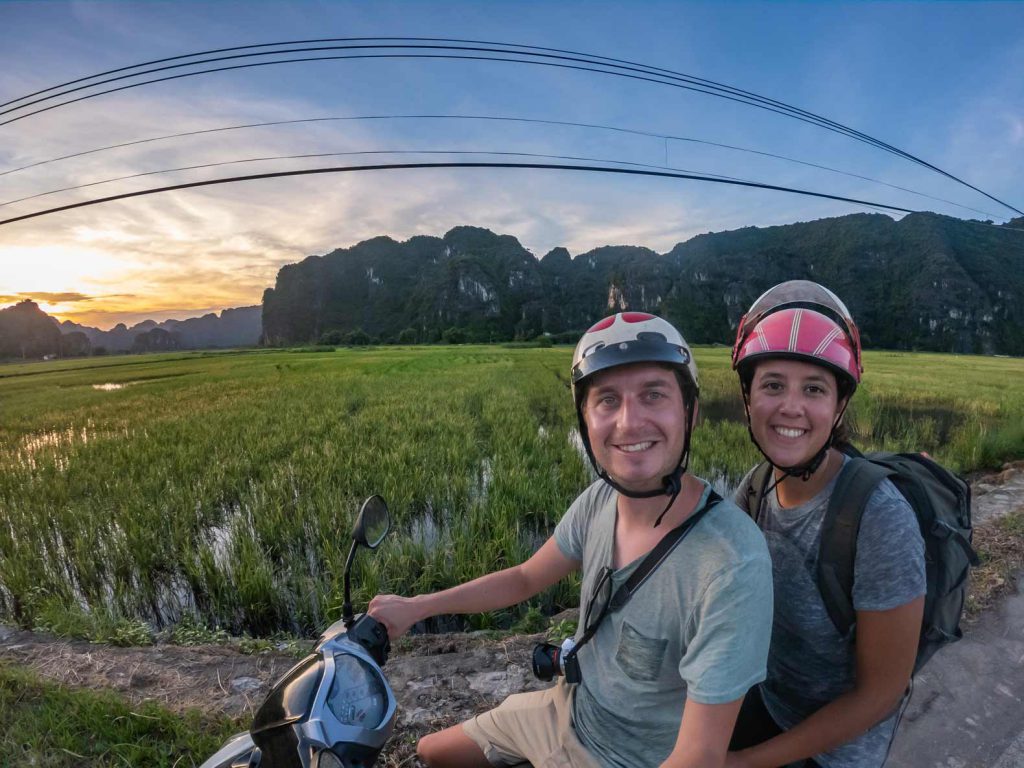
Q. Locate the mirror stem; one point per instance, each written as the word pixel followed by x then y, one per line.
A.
pixel 346 609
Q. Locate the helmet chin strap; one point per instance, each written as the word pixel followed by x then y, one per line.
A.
pixel 671 484
pixel 806 470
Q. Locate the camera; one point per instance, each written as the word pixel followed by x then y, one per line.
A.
pixel 551 660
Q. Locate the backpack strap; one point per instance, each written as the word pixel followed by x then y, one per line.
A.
pixel 837 553
pixel 757 485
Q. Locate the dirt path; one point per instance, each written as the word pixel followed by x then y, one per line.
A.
pixel 998 494
pixel 438 679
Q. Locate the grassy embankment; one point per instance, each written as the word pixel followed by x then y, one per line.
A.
pixel 46 725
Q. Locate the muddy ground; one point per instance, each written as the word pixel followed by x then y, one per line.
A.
pixel 438 679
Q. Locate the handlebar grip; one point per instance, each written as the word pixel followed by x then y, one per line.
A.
pixel 373 636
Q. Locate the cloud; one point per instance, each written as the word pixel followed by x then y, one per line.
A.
pixel 50 298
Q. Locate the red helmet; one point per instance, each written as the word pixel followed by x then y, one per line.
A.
pixel 801 320
pixel 801 334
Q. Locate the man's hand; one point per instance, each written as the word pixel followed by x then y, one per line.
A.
pixel 487 593
pixel 396 613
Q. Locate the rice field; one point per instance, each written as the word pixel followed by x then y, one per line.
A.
pixel 221 487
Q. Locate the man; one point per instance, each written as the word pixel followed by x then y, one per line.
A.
pixel 662 675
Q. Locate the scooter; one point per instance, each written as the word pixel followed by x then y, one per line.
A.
pixel 334 709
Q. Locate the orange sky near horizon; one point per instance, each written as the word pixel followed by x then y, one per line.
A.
pixel 98 288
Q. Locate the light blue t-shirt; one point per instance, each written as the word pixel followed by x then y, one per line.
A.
pixel 698 628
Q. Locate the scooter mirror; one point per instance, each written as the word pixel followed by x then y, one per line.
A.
pixel 373 523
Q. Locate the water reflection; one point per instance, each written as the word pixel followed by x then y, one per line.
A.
pixel 56 438
pixel 56 446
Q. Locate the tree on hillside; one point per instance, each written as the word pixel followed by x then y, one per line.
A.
pixel 75 344
pixel 157 340
pixel 332 338
pixel 454 336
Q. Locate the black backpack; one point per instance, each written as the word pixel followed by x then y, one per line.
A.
pixel 942 502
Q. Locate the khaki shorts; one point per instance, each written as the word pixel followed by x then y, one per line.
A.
pixel 531 729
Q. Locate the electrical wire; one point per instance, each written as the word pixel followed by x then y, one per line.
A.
pixel 516 49
pixel 675 80
pixel 358 152
pixel 522 47
pixel 614 70
pixel 409 166
pixel 564 123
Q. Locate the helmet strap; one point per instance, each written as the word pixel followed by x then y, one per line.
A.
pixel 675 480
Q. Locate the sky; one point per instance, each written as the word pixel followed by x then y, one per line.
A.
pixel 939 80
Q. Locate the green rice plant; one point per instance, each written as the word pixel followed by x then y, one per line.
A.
pixel 97 626
pixel 189 631
pixel 223 486
pixel 562 629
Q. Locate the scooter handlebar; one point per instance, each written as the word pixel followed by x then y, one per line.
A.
pixel 373 636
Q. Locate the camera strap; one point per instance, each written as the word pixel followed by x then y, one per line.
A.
pixel 654 558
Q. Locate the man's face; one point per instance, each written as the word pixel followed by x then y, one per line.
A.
pixel 793 406
pixel 636 420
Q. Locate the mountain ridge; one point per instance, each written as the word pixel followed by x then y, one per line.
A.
pixel 926 282
pixel 233 327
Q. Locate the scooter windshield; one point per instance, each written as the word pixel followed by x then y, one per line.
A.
pixel 290 699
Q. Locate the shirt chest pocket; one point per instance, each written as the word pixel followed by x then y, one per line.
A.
pixel 640 656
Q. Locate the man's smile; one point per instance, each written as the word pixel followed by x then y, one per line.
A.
pixel 635 447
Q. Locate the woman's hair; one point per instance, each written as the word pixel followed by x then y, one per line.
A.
pixel 841 435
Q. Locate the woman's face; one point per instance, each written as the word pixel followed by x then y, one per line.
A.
pixel 793 406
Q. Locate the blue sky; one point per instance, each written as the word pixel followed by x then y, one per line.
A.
pixel 940 80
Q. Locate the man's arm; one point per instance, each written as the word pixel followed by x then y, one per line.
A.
pixel 487 593
pixel 704 735
pixel 886 648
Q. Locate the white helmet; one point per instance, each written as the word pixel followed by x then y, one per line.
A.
pixel 624 339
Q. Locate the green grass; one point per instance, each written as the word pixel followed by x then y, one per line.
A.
pixel 50 726
pixel 222 486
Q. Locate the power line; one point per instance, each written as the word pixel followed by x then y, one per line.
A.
pixel 524 49
pixel 410 166
pixel 351 153
pixel 619 70
pixel 565 123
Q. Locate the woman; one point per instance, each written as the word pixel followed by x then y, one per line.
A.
pixel 829 700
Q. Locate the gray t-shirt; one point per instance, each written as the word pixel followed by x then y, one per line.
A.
pixel 810 664
pixel 698 628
